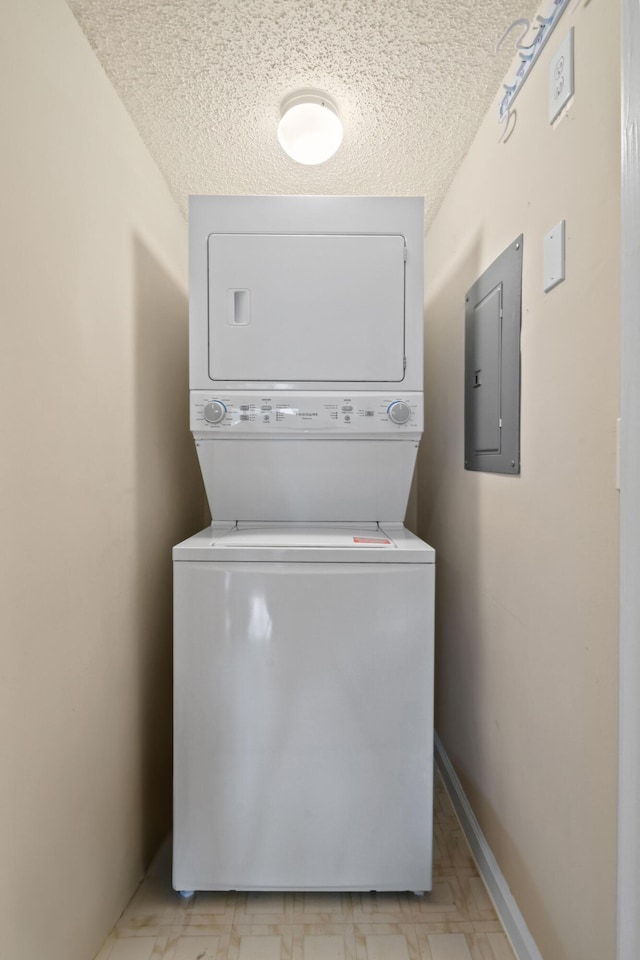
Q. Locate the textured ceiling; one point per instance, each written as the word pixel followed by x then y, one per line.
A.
pixel 203 81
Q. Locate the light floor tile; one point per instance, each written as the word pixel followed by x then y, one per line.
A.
pixel 317 941
pixel 500 946
pixel 264 908
pixel 134 948
pixel 449 946
pixel 486 926
pixel 461 853
pixel 322 908
pixel 443 852
pixel 445 901
pixel 260 948
pixel 443 811
pixel 440 862
pixel 201 926
pixel 377 941
pixel 218 907
pixel 154 904
pixel 476 899
pixel 265 903
pixel 382 907
pixel 387 947
pixel 324 947
pixel 262 942
pixel 197 948
pixel 481 898
pixel 155 931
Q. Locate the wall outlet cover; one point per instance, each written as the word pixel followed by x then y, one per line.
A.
pixel 561 80
pixel 553 257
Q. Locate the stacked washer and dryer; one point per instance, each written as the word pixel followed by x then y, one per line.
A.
pixel 303 650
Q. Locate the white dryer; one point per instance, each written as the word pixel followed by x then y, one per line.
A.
pixel 303 648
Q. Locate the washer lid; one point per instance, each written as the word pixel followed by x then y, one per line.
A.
pixel 305 543
pixel 310 536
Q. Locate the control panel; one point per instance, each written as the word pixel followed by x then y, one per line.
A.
pixel 285 413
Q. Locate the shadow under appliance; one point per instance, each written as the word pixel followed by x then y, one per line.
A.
pixel 303 640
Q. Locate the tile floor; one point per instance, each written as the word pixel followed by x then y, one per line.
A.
pixel 456 921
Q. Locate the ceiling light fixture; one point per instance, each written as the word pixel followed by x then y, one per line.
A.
pixel 310 129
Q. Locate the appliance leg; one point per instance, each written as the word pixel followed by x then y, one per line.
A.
pixel 186 894
pixel 418 893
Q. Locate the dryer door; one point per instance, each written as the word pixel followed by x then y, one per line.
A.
pixel 314 308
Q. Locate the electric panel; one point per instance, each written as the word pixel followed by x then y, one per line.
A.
pixel 492 366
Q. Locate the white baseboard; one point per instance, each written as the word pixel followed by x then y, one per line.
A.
pixel 512 920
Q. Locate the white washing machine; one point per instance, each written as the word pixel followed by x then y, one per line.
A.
pixel 303 649
pixel 304 730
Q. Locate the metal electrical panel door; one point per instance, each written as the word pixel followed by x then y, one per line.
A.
pixel 492 366
pixel 306 307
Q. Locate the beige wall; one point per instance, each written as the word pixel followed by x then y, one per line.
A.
pixel 99 477
pixel 527 578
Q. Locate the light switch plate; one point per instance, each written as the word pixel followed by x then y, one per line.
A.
pixel 553 257
pixel 561 83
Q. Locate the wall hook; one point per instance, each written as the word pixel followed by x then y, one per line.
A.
pixel 516 23
pixel 529 52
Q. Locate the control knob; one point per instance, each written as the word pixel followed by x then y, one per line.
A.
pixel 399 411
pixel 214 411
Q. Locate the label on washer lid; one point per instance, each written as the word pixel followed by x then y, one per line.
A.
pixel 379 541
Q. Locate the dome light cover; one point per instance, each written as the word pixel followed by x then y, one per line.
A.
pixel 310 130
